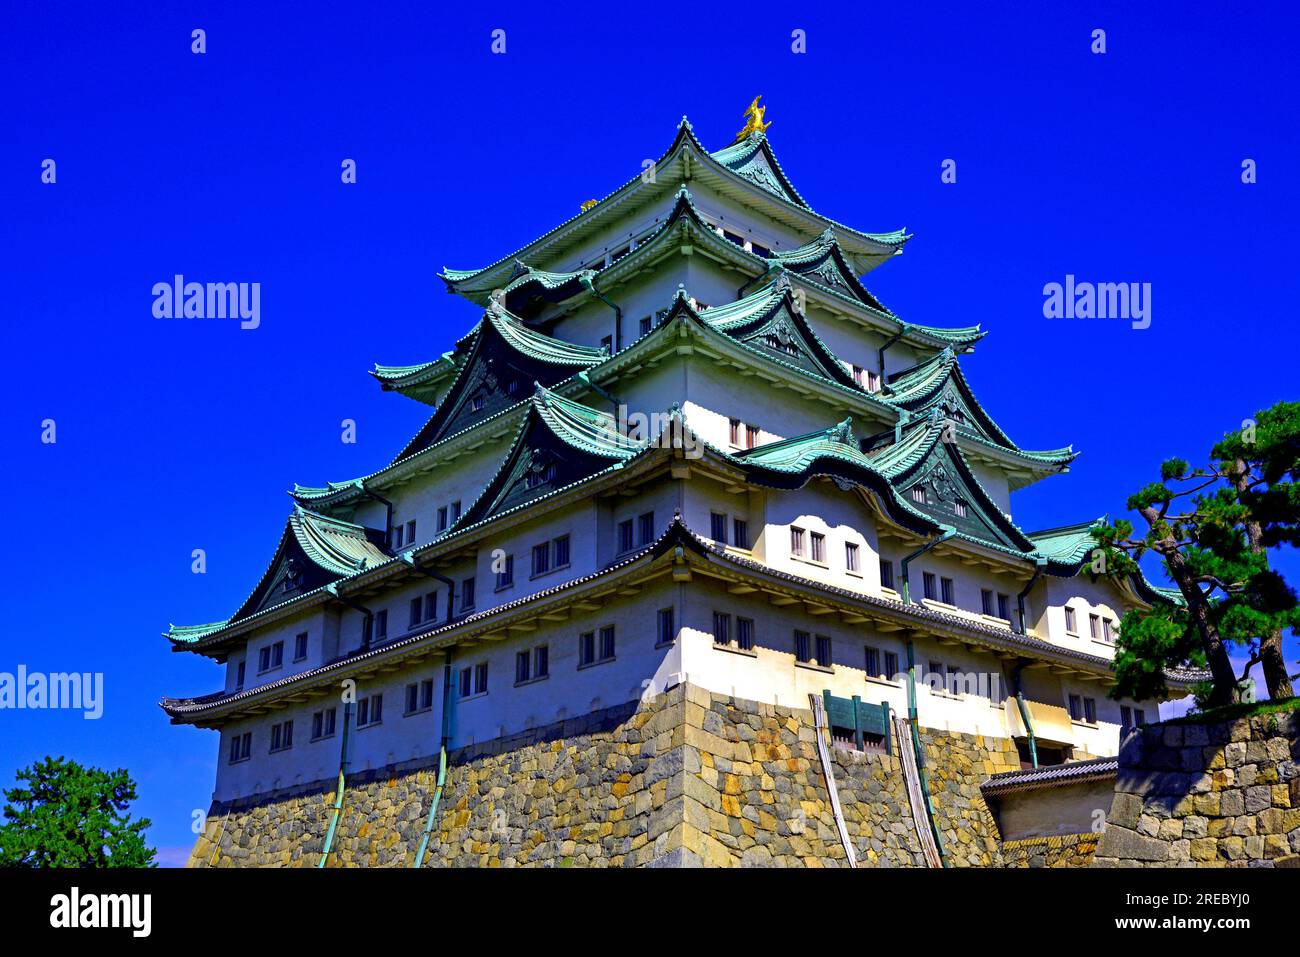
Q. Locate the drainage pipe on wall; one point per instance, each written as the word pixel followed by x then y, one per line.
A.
pixel 1024 712
pixel 442 763
pixel 915 726
pixel 341 787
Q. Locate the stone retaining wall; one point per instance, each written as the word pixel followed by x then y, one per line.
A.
pixel 690 778
pixel 1058 850
pixel 1207 795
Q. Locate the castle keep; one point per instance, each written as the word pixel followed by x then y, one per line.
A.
pixel 703 556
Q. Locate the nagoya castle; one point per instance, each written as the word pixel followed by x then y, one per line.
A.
pixel 704 556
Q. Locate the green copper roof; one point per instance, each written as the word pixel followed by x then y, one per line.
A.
pixel 332 549
pixel 188 634
pixel 583 427
pixel 537 345
pixel 938 383
pixel 334 545
pixel 1069 544
pixel 749 158
pixel 798 453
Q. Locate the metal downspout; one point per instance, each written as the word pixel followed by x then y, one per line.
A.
pixel 451 585
pixel 918 753
pixel 880 353
pixel 618 314
pixel 442 762
pixel 388 521
pixel 609 397
pixel 1020 693
pixel 339 789
pixel 367 624
pixel 943 537
pixel 1039 565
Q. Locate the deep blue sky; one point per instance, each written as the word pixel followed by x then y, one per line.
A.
pixel 181 435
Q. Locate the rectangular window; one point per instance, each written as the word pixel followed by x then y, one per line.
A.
pixel 1139 717
pixel 1090 710
pixel 586 648
pixel 322 723
pixel 734 433
pixel 947 592
pixel 851 556
pixel 1125 717
pixel 886 573
pixel 239 675
pixel 410 532
pixel 721 628
pixel 300 646
pixel 796 541
pixel 936 677
pixel 986 601
pixel 277 654
pixel 417 607
pixel 644 326
pixel 241 747
pixel 413 698
pixel 802 646
pixel 1108 631
pixel 606 342
pixel 873 381
pixel 381 624
pixel 718 527
pixel 824 651
pixel 818 546
pixel 541 558
pixel 1094 627
pixel 740 533
pixel 873 663
pixel 954 682
pixel 561 551
pixel 455 512
pixel 466 682
pixel 959 508
pixel 426 693
pixel 646 528
pixel 370 710
pixel 857 374
pixel 607 643
pixel 467 594
pixel 397 538
pixel 891 664
pixel 442 518
pixel 1069 619
pixel 1076 708
pixel 918 495
pixel 542 661
pixel 523 663
pixel 1004 607
pixel 625 536
pixel 751 436
pixel 927 584
pixel 666 631
pixel 480 677
pixel 745 634
pixel 506 577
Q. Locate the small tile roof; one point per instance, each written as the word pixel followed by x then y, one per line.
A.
pixel 1072 772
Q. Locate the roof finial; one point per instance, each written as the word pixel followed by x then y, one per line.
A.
pixel 753 120
pixel 587 205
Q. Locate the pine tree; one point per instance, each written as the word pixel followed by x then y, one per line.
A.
pixel 1212 526
pixel 71 816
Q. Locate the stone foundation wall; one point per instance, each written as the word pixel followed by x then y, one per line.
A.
pixel 1059 850
pixel 1207 795
pixel 690 778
